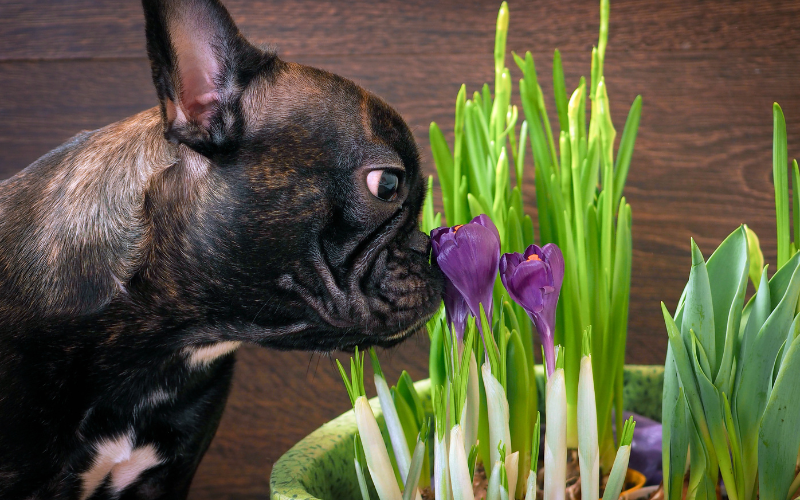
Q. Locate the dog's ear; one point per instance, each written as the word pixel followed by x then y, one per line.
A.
pixel 200 64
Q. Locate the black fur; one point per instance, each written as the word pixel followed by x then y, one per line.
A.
pixel 243 217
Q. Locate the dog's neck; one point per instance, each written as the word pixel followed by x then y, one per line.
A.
pixel 99 200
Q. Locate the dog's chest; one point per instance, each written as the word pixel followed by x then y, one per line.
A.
pixel 135 437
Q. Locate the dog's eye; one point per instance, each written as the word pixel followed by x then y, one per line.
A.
pixel 383 184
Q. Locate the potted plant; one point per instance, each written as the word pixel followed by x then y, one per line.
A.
pixel 732 375
pixel 589 219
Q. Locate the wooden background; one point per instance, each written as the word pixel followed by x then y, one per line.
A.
pixel 708 71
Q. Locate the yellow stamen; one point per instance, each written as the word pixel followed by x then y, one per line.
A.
pixel 456 228
pixel 533 257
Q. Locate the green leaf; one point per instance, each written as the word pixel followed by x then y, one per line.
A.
pixel 796 202
pixel 475 206
pixel 753 390
pixel 436 363
pixel 358 460
pixel 698 308
pixel 405 386
pixel 518 393
pixel 728 270
pixel 756 256
pixel 760 310
pixel 560 91
pixel 780 177
pixel 443 159
pixel 417 461
pixel 408 419
pixel 677 449
pixel 626 144
pixel 716 423
pixel 779 439
pixel 685 371
pixel 513 233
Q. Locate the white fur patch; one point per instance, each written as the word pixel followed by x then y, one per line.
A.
pixel 117 457
pixel 203 356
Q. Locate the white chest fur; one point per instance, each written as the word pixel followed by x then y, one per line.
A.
pixel 118 459
pixel 198 357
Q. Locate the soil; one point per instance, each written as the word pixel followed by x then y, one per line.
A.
pixel 480 482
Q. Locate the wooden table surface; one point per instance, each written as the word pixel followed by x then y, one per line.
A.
pixel 708 71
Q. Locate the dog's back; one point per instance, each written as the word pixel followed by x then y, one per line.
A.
pixel 72 227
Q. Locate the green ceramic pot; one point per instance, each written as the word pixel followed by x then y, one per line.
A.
pixel 320 466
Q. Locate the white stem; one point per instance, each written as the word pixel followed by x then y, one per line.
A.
pixel 472 407
pixel 378 462
pixel 396 434
pixel 530 487
pixel 555 441
pixel 493 487
pixel 617 477
pixel 497 405
pixel 441 472
pixel 512 472
pixel 459 468
pixel 588 450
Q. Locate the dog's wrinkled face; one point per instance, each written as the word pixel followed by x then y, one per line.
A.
pixel 324 246
pixel 335 172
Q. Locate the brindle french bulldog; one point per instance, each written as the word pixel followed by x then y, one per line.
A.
pixel 262 201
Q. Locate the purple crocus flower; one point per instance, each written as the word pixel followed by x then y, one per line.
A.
pixel 533 280
pixel 468 255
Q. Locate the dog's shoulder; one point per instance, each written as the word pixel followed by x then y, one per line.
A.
pixel 71 223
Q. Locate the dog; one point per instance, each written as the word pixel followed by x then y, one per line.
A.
pixel 261 201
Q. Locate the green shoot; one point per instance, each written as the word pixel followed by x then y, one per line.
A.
pixel 355 387
pixel 626 437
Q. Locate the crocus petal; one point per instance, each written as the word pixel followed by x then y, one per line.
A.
pixel 469 258
pixel 555 261
pixel 526 283
pixel 436 237
pixel 456 309
pixel 486 222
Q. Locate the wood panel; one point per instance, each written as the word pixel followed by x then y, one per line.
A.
pixel 708 72
pixel 35 29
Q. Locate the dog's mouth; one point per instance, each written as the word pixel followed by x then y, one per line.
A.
pixel 388 294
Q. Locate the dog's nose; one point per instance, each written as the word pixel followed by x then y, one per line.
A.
pixel 419 242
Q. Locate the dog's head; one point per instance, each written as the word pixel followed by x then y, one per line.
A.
pixel 323 187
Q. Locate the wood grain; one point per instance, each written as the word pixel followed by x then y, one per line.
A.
pixel 36 29
pixel 708 72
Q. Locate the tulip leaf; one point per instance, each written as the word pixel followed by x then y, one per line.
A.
pixel 685 373
pixel 716 424
pixel 779 439
pixel 757 365
pixel 795 203
pixel 761 308
pixel 779 282
pixel 698 310
pixel 676 450
pixel 754 251
pixel 728 269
